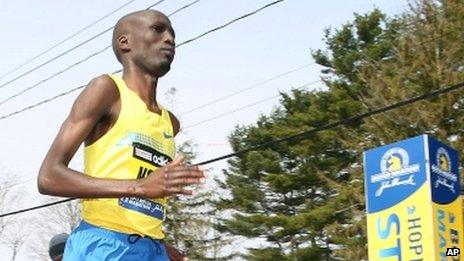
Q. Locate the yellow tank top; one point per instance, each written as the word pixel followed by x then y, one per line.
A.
pixel 139 142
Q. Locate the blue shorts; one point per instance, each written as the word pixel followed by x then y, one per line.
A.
pixel 88 242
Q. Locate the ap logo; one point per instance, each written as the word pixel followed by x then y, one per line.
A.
pixel 453 251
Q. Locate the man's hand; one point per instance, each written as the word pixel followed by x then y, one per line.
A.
pixel 174 254
pixel 171 179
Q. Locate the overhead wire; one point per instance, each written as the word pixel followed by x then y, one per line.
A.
pixel 227 96
pixel 182 43
pixel 81 61
pixel 53 75
pixel 245 89
pixel 107 47
pixel 247 106
pixel 220 99
pixel 231 22
pixel 199 107
pixel 66 39
pixel 21 182
pixel 65 52
pixel 183 7
pixel 311 131
pixel 296 137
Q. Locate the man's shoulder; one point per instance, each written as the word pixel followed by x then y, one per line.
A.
pixel 99 96
pixel 103 81
pixel 103 87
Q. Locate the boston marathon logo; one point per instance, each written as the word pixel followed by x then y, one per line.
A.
pixel 442 168
pixel 395 170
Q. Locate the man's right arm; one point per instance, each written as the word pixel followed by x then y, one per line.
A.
pixel 56 178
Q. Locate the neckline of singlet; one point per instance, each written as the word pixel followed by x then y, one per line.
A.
pixel 132 92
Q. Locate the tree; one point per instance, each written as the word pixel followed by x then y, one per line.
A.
pixel 190 219
pixel 61 218
pixel 13 229
pixel 407 56
pixel 6 185
pixel 289 192
pixel 305 197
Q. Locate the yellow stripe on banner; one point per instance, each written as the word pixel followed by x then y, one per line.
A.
pixel 404 231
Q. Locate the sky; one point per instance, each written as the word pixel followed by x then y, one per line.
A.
pixel 242 67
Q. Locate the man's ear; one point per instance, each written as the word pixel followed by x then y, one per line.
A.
pixel 123 43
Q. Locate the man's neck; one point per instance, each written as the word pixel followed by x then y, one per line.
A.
pixel 144 85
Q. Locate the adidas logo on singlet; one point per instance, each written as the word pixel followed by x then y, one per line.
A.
pixel 150 155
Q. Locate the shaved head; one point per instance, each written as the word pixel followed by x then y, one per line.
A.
pixel 127 25
pixel 144 40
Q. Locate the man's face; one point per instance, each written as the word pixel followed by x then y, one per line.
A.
pixel 153 45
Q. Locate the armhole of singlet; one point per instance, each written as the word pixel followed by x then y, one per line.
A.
pixel 168 117
pixel 171 122
pixel 171 127
pixel 118 120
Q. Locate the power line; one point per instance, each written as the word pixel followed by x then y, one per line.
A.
pixel 246 106
pixel 244 89
pixel 303 134
pixel 67 51
pixel 221 115
pixel 202 106
pixel 224 114
pixel 231 22
pixel 107 47
pixel 41 102
pixel 53 75
pixel 37 207
pixel 326 126
pixel 183 43
pixel 79 62
pixel 81 166
pixel 66 39
pixel 296 137
pixel 278 76
pixel 183 7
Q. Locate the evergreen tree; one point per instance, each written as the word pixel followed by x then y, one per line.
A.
pixel 190 220
pixel 305 198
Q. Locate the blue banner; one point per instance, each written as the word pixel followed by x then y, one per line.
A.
pixel 394 172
